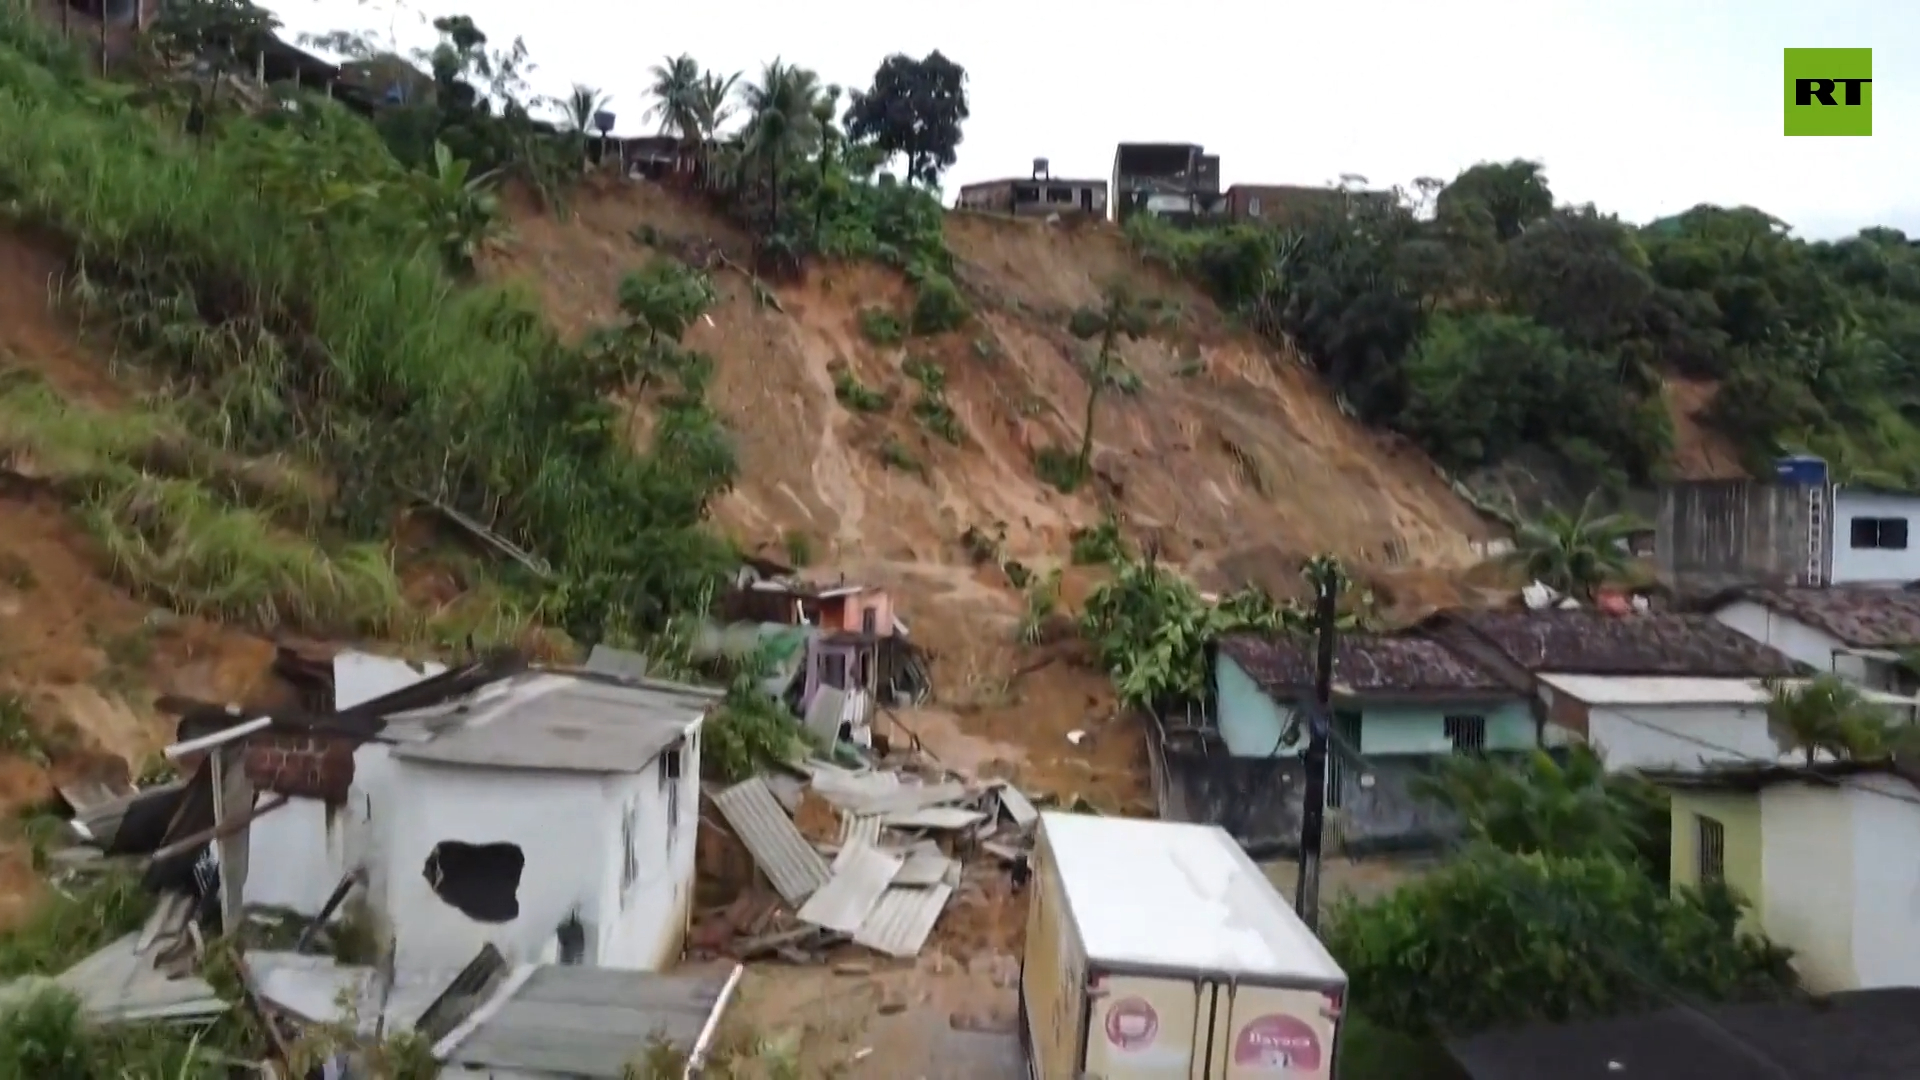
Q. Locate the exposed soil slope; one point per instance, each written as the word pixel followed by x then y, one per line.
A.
pixel 1699 451
pixel 1227 449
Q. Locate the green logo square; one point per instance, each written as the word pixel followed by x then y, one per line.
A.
pixel 1829 92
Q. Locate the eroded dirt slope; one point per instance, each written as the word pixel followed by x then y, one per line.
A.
pixel 1229 452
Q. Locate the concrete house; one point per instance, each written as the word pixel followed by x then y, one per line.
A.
pixel 1860 633
pixel 1399 700
pixel 1643 689
pixel 1039 195
pixel 1796 529
pixel 1178 181
pixel 550 814
pixel 1824 852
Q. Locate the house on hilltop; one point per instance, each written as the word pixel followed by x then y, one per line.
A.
pixel 1040 195
pixel 1177 181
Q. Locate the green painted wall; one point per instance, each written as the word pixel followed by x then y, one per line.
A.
pixel 1251 722
pixel 1739 817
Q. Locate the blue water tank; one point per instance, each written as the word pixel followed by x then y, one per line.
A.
pixel 1803 470
pixel 603 121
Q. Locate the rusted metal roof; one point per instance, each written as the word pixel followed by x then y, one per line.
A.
pixel 795 869
pixel 900 922
pixel 860 875
pixel 1401 663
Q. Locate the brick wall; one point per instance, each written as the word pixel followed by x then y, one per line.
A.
pixel 308 766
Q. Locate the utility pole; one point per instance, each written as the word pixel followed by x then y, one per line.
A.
pixel 1325 575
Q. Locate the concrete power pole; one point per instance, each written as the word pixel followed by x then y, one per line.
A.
pixel 1325 575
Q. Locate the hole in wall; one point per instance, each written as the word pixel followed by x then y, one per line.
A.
pixel 481 881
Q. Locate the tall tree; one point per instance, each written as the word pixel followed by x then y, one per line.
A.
pixel 581 103
pixel 1119 316
pixel 1825 715
pixel 915 109
pixel 676 90
pixel 780 125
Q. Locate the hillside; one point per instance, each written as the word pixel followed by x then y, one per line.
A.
pixel 1232 454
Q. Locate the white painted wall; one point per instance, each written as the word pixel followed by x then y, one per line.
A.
pixel 297 854
pixel 1809 645
pixel 1886 882
pixel 572 829
pixel 1679 736
pixel 1850 564
pixel 1808 869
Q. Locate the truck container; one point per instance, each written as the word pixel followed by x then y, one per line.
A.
pixel 1159 951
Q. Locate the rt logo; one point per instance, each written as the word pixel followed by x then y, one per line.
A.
pixel 1829 91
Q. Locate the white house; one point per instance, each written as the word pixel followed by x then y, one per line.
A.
pixel 551 814
pixel 1672 723
pixel 1874 539
pixel 1827 854
pixel 1857 632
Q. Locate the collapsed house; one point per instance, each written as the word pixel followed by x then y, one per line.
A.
pixel 550 814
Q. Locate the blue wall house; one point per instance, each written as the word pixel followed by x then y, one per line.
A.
pixel 1400 700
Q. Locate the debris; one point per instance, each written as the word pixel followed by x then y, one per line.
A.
pixel 1076 736
pixel 861 875
pixel 777 847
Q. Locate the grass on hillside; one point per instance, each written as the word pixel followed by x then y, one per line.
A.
pixel 286 274
pixel 176 538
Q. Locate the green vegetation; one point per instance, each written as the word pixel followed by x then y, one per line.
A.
pixel 931 407
pixel 1483 321
pixel 1574 553
pixel 857 396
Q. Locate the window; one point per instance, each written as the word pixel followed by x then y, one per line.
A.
pixel 1346 731
pixel 629 852
pixel 1062 195
pixel 869 621
pixel 670 780
pixel 1253 206
pixel 1468 734
pixel 1886 534
pixel 1025 193
pixel 1712 849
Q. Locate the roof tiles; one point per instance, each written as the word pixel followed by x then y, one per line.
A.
pixel 1363 663
pixel 1586 642
pixel 1863 617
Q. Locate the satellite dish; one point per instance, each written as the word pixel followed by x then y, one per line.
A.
pixel 603 121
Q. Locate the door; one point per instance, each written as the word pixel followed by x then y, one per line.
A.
pixel 1143 1029
pixel 1270 1033
pixel 1086 199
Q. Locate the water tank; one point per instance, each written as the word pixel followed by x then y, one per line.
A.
pixel 1041 169
pixel 603 121
pixel 1801 470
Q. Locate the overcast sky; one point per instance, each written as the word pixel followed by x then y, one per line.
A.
pixel 1645 107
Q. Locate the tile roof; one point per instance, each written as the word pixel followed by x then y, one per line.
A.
pixel 1401 663
pixel 1863 617
pixel 1586 642
pixel 1860 1035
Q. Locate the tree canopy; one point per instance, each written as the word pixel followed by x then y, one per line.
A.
pixel 914 108
pixel 1486 321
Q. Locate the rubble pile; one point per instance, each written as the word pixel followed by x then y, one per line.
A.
pixel 901 844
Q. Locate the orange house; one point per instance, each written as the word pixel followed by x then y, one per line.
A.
pixel 856 609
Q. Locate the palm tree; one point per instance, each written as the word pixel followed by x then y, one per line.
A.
pixel 676 90
pixel 1826 714
pixel 781 122
pixel 825 108
pixel 713 103
pixel 582 104
pixel 1575 553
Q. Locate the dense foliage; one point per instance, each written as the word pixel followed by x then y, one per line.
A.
pixel 1483 320
pixel 1494 938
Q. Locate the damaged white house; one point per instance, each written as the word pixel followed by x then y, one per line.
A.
pixel 550 814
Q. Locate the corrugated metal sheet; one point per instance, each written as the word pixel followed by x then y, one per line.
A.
pixel 795 869
pixel 860 875
pixel 554 721
pixel 901 921
pixel 1017 805
pixel 859 829
pixel 120 984
pixel 898 798
pixel 586 1022
pixel 924 867
pixel 932 817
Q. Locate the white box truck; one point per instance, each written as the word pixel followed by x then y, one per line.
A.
pixel 1159 951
